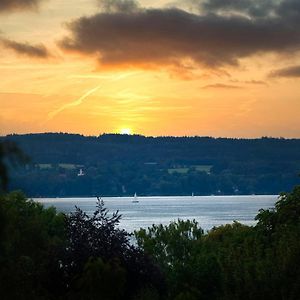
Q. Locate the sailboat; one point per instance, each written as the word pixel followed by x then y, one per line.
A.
pixel 135 199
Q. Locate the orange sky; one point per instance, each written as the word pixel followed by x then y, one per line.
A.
pixel 153 67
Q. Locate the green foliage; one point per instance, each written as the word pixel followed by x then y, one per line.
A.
pixel 286 212
pixel 117 165
pixel 279 229
pixel 231 261
pixel 170 245
pixel 46 255
pixel 101 280
pixel 10 155
pixel 29 235
pixel 178 248
pixel 100 262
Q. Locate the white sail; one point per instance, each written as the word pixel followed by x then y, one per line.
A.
pixel 135 198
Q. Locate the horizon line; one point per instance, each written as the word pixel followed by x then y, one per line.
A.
pixel 152 136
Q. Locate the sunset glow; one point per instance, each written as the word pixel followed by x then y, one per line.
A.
pixel 125 131
pixel 58 73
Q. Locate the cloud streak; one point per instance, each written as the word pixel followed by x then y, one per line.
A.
pixel 212 38
pixel 37 51
pixel 15 5
pixel 77 102
pixel 221 86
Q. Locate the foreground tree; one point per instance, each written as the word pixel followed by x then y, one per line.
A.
pixel 178 248
pixel 46 255
pixel 101 261
pixel 29 238
pixel 279 232
pixel 10 155
pixel 233 261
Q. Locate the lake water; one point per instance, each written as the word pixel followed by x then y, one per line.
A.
pixel 209 211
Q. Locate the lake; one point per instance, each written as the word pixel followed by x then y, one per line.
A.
pixel 209 211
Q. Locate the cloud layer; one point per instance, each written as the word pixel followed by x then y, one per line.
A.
pixel 293 71
pixel 12 5
pixel 220 33
pixel 37 51
pixel 113 6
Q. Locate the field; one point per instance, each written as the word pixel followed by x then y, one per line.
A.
pixel 184 170
pixel 62 165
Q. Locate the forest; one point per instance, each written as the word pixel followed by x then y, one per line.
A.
pixel 49 255
pixel 121 165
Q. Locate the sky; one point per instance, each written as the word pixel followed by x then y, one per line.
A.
pixel 195 67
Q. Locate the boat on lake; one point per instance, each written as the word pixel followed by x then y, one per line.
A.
pixel 135 199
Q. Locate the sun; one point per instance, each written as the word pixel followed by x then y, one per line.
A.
pixel 125 131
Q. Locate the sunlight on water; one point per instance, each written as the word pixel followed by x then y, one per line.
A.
pixel 209 211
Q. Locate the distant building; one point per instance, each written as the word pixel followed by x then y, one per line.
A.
pixel 81 173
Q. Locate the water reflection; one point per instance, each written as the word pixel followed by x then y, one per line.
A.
pixel 209 211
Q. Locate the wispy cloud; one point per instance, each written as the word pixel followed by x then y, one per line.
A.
pixel 14 5
pixel 221 86
pixel 110 78
pixel 37 51
pixel 251 82
pixel 77 102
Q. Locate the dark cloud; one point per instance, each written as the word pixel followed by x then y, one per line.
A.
pixel 293 71
pixel 289 9
pixel 221 86
pixel 167 36
pixel 251 8
pixel 124 6
pixel 12 5
pixel 38 51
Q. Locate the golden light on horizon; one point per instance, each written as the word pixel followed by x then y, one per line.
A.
pixel 125 131
pixel 57 78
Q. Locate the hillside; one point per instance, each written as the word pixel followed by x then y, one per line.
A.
pixel 119 165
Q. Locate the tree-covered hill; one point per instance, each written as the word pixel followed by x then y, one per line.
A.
pixel 115 164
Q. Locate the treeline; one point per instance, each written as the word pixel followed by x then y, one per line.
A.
pixel 116 165
pixel 49 255
pixel 231 261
